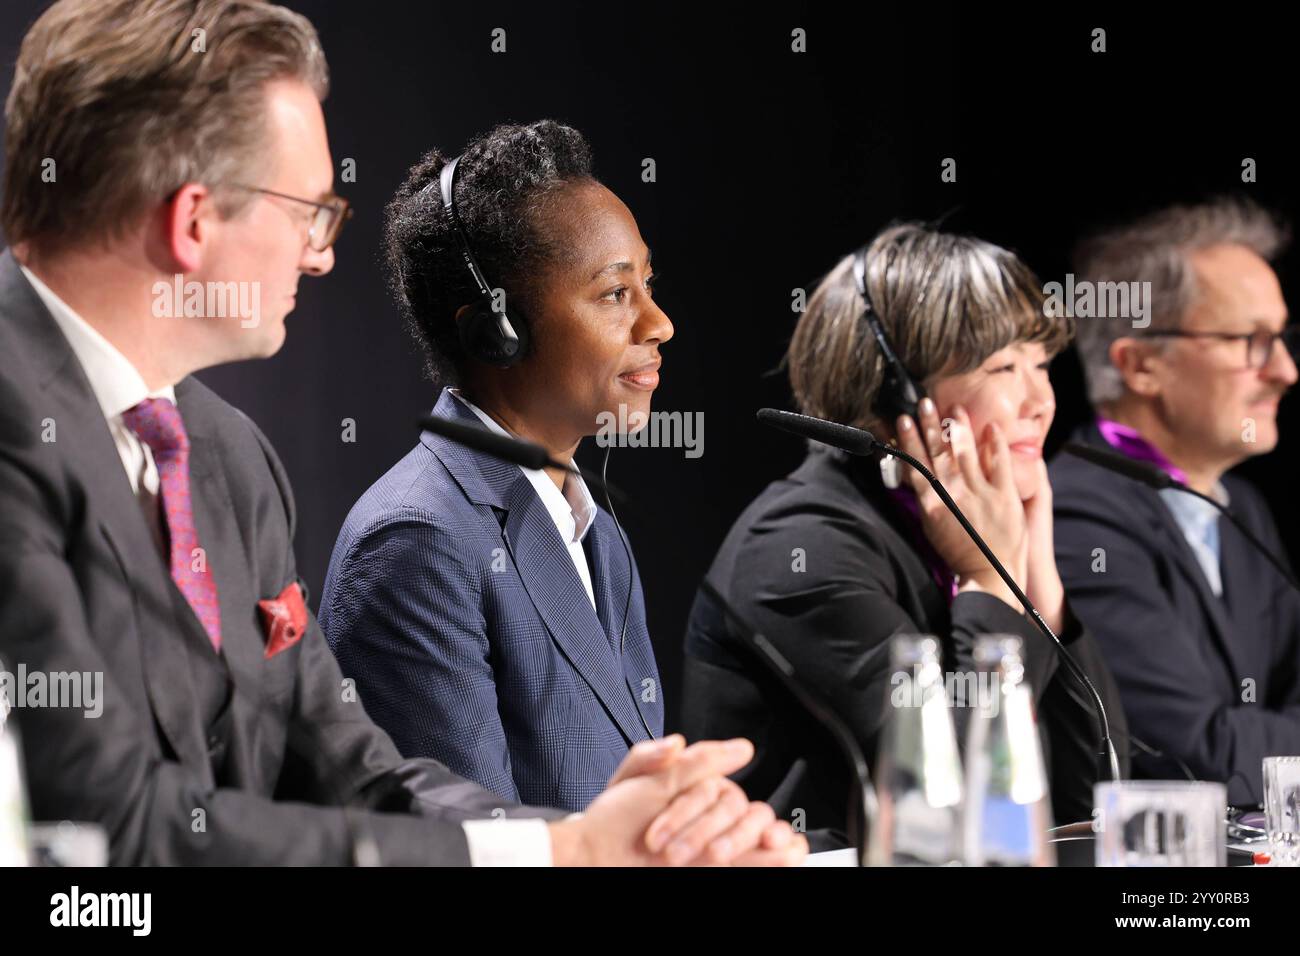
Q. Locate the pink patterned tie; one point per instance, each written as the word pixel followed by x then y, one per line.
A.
pixel 157 423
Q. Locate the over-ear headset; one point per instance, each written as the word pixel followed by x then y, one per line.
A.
pixel 497 338
pixel 491 335
pixel 899 392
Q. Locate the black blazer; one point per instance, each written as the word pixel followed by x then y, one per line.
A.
pixel 864 582
pixel 1213 682
pixel 198 757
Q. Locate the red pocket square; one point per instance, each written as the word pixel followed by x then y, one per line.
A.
pixel 284 618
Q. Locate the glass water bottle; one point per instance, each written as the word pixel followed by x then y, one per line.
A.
pixel 918 773
pixel 1008 809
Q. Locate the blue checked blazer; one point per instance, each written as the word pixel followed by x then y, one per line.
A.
pixel 453 603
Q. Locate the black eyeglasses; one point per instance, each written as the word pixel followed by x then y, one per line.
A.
pixel 1259 344
pixel 325 225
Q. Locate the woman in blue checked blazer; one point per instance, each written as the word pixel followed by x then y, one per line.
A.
pixel 491 616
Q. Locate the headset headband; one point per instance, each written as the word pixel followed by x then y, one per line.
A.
pixel 899 392
pixel 869 311
pixel 447 185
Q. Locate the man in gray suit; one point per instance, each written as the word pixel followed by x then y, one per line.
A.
pixel 169 181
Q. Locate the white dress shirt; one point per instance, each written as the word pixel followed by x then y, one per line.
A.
pixel 118 386
pixel 572 509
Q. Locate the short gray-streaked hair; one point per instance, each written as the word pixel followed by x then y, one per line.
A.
pixel 1157 249
pixel 947 302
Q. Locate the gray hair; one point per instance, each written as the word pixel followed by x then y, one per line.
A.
pixel 1157 249
pixel 947 302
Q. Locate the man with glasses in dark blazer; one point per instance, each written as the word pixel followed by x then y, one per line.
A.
pixel 1200 631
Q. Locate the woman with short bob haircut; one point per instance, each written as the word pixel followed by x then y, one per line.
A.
pixel 881 555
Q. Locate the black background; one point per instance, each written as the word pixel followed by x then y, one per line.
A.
pixel 747 902
pixel 770 165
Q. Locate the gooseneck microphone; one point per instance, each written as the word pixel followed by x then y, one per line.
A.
pixel 858 441
pixel 1158 479
pixel 862 801
pixel 526 454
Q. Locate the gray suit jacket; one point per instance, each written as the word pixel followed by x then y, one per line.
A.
pixel 197 757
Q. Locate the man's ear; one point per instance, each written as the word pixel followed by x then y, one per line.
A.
pixel 188 220
pixel 1137 365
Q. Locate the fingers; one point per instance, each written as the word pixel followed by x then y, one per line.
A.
pixel 791 856
pixel 745 835
pixel 691 783
pixel 780 846
pixel 933 436
pixel 1038 513
pixel 778 835
pixel 1044 493
pixel 708 758
pixel 965 452
pixel 909 440
pixel 719 817
pixel 679 814
pixel 648 756
pixel 1000 473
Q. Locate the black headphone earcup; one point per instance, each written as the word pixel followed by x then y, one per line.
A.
pixel 896 398
pixel 485 335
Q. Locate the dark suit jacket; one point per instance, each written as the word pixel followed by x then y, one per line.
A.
pixel 1214 682
pixel 865 581
pixel 453 601
pixel 197 757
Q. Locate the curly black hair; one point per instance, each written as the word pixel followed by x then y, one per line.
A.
pixel 502 184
